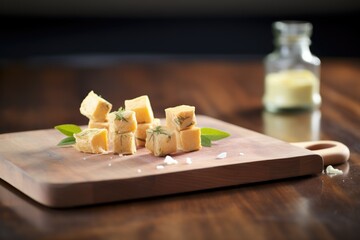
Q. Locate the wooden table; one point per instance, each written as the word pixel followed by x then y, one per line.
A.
pixel 43 92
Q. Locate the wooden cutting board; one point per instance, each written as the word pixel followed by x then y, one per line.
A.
pixel 63 177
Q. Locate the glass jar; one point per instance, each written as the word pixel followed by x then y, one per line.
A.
pixel 292 72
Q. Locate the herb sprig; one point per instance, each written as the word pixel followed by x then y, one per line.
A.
pixel 159 130
pixel 211 134
pixel 68 130
pixel 180 119
pixel 119 115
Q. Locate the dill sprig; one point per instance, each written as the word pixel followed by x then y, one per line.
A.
pixel 119 115
pixel 159 130
pixel 180 120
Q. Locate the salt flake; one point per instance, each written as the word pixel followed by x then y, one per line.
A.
pixel 221 155
pixel 188 161
pixel 170 161
pixel 330 170
pixel 160 167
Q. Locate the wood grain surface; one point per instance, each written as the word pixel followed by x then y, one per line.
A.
pixel 40 93
pixel 64 177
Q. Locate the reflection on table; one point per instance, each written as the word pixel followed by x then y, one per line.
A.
pixel 294 126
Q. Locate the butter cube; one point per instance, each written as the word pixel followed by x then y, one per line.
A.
pixel 122 121
pixel 190 139
pixel 180 117
pixel 160 141
pixel 140 134
pixel 92 140
pixel 94 124
pixel 95 107
pixel 124 143
pixel 142 107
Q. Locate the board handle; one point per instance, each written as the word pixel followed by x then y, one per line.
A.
pixel 332 152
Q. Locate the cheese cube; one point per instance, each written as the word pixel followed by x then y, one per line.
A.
pixel 124 143
pixel 160 141
pixel 95 107
pixel 180 117
pixel 142 107
pixel 122 121
pixel 92 140
pixel 140 134
pixel 94 124
pixel 190 139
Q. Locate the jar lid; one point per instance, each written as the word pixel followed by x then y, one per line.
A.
pixel 290 31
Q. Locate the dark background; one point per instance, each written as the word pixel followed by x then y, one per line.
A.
pixel 41 28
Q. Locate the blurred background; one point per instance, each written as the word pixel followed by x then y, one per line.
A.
pixel 231 27
pixel 52 53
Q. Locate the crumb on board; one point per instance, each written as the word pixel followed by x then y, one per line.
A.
pixel 160 167
pixel 330 170
pixel 170 161
pixel 221 155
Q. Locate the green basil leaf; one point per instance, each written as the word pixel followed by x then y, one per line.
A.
pixel 205 141
pixel 67 141
pixel 213 134
pixel 68 129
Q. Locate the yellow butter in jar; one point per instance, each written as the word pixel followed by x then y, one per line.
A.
pixel 292 72
pixel 290 89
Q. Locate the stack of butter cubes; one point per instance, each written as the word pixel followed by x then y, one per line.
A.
pixel 94 139
pixel 182 120
pixel 144 117
pixel 179 133
pixel 96 109
pixel 122 127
